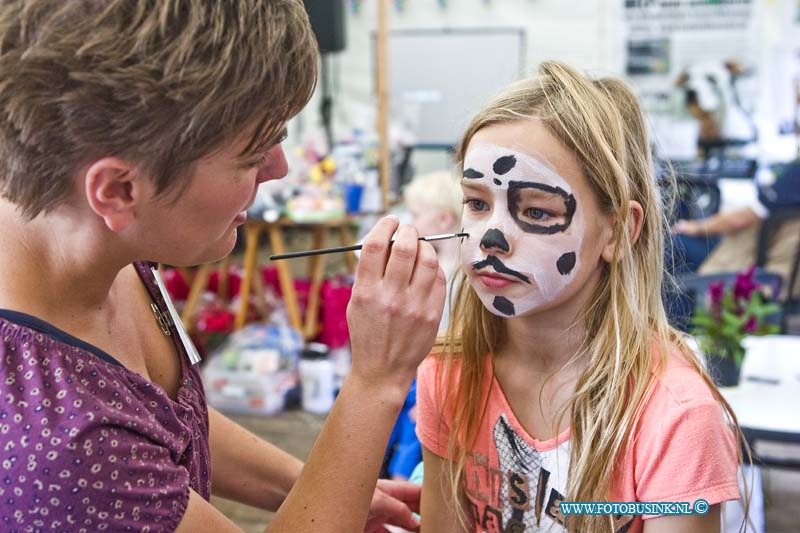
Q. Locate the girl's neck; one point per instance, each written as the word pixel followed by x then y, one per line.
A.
pixel 549 340
pixel 543 345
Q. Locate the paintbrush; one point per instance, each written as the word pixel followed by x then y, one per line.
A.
pixel 355 247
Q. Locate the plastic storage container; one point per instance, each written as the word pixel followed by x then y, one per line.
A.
pixel 254 371
pixel 317 377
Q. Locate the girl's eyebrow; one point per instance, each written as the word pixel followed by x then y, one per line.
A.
pixel 466 183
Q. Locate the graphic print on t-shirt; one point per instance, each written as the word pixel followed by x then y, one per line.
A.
pixel 523 491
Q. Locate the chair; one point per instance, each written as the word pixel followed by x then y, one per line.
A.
pixel 769 227
pixel 697 194
pixel 698 197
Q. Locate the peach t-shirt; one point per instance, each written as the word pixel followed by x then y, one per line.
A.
pixel 682 451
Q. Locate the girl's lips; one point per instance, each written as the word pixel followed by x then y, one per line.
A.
pixel 241 217
pixel 494 281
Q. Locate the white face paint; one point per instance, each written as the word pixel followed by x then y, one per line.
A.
pixel 525 230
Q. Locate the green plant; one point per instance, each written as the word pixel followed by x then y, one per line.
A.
pixel 731 314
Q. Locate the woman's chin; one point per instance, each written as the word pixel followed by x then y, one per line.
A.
pixel 213 253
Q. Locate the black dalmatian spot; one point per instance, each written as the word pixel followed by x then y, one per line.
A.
pixel 504 164
pixel 472 174
pixel 503 305
pixel 566 263
pixel 497 181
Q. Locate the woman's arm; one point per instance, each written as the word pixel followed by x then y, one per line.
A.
pixel 696 523
pixel 438 512
pixel 718 224
pixel 246 468
pixel 393 318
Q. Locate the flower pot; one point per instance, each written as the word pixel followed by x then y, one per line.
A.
pixel 723 370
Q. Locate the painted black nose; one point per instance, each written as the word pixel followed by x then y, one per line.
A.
pixel 494 239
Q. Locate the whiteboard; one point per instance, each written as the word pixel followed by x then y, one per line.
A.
pixel 439 79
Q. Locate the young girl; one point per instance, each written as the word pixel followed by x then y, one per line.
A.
pixel 561 380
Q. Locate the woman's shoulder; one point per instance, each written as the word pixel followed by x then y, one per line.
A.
pixel 47 375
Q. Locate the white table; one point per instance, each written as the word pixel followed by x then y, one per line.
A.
pixel 768 413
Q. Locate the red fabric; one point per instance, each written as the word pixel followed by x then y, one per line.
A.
pixel 234 283
pixel 176 284
pixel 334 295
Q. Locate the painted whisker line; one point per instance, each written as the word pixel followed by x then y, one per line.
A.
pixel 355 247
pixel 499 267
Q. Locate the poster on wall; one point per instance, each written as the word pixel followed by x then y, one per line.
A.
pixel 666 38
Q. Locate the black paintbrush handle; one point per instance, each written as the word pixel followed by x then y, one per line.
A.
pixel 353 248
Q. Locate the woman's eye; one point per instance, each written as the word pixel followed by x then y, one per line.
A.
pixel 536 214
pixel 476 205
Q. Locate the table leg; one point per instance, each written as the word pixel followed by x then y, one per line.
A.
pixel 251 233
pixel 317 274
pixel 347 240
pixel 196 290
pixel 261 299
pixel 224 275
pixel 285 278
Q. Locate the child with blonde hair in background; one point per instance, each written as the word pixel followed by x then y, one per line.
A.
pixel 434 201
pixel 560 379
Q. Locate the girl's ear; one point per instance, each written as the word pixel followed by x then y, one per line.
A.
pixel 635 221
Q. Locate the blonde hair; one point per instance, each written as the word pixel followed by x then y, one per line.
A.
pixel 601 123
pixel 161 84
pixel 437 190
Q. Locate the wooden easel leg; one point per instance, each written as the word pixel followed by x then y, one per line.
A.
pixel 198 286
pixel 285 278
pixel 347 240
pixel 224 275
pixel 317 274
pixel 251 233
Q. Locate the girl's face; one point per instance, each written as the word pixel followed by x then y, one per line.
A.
pixel 200 226
pixel 535 230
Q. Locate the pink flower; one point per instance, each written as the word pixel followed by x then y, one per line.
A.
pixel 744 285
pixel 715 290
pixel 752 325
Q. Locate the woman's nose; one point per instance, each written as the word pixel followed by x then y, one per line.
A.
pixel 275 165
pixel 494 241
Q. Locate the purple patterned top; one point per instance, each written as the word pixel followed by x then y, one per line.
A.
pixel 88 445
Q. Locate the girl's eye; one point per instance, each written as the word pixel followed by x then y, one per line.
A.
pixel 473 204
pixel 536 214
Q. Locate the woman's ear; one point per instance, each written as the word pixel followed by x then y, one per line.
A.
pixel 112 190
pixel 635 222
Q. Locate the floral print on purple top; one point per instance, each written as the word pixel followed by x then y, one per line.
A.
pixel 88 445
